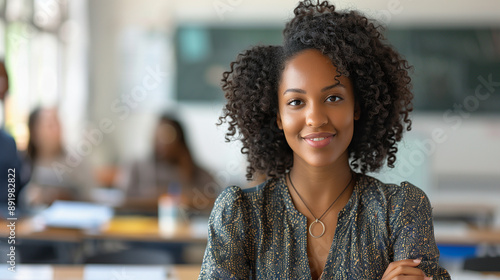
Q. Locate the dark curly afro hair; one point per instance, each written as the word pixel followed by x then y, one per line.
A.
pixel 357 48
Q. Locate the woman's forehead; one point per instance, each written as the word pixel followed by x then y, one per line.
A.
pixel 310 66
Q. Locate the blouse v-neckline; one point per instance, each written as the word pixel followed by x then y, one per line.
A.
pixel 340 221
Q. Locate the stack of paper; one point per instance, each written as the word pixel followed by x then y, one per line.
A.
pixel 75 214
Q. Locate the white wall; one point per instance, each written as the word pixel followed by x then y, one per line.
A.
pixel 400 11
pixel 472 149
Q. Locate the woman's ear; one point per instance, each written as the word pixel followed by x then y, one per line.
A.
pixel 278 121
pixel 357 111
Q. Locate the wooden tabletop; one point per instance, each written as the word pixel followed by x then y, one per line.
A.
pixel 469 236
pixel 127 229
pixel 146 228
pixel 27 228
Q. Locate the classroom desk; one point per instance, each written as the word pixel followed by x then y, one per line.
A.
pixel 145 230
pixel 74 245
pixel 25 228
pixel 469 236
pixel 75 272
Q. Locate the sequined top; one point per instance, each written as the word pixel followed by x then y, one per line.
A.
pixel 258 233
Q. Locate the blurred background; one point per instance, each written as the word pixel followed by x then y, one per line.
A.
pixel 101 74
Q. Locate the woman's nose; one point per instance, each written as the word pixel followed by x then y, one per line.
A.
pixel 316 117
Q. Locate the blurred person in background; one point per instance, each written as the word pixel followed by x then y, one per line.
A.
pixel 10 162
pixel 170 170
pixel 45 149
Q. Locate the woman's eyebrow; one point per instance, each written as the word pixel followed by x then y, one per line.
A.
pixel 298 90
pixel 332 86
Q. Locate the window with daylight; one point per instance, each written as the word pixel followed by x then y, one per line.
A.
pixel 43 45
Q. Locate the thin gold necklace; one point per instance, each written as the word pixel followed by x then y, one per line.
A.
pixel 318 220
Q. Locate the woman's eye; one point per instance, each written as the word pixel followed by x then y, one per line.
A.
pixel 333 98
pixel 294 102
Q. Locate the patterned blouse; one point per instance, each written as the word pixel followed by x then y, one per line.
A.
pixel 258 233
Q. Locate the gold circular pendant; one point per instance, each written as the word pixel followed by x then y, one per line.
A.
pixel 316 222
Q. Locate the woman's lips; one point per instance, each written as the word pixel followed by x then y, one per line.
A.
pixel 319 140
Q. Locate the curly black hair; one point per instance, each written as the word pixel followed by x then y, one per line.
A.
pixel 356 46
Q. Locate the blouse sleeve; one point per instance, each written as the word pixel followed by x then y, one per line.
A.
pixel 413 231
pixel 226 254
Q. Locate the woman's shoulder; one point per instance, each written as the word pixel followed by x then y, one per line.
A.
pixel 402 202
pixel 253 196
pixel 402 193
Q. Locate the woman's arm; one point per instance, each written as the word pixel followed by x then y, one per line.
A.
pixel 406 268
pixel 227 252
pixel 413 231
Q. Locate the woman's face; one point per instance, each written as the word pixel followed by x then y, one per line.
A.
pixel 316 110
pixel 167 143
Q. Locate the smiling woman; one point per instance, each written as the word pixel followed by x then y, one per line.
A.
pixel 334 98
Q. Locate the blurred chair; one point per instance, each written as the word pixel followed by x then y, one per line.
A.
pixel 132 256
pixel 483 264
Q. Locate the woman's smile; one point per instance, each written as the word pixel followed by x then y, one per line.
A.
pixel 319 140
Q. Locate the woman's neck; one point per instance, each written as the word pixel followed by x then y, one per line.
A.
pixel 323 184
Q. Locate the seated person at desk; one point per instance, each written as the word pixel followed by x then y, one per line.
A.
pixel 45 148
pixel 170 170
pixel 10 163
